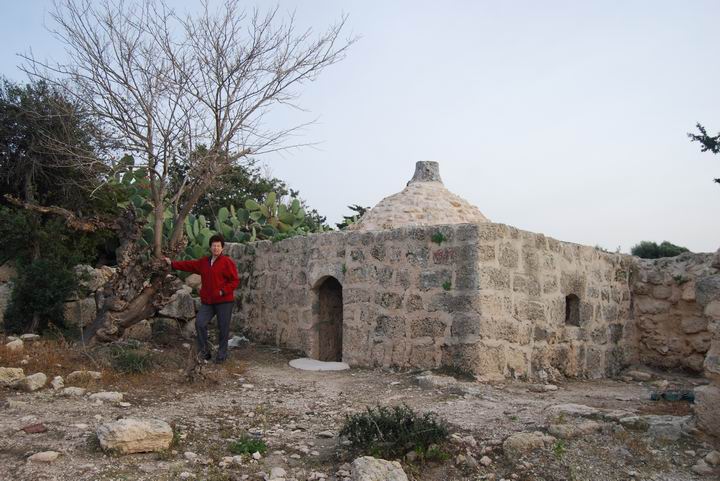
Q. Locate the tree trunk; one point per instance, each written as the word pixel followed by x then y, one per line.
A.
pixel 139 288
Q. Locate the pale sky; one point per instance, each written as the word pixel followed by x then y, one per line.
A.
pixel 564 118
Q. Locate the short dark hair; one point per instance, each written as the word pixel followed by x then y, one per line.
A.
pixel 217 238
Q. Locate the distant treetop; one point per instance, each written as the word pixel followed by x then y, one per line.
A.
pixel 651 250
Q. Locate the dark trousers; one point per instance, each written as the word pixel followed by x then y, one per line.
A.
pixel 206 312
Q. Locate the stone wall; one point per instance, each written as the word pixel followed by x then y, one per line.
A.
pixel 524 282
pixel 671 298
pixel 486 298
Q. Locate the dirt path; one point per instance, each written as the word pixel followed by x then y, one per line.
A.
pixel 258 393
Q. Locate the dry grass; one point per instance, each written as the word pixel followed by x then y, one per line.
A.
pixel 56 357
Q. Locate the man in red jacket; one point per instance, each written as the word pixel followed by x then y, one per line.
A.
pixel 217 294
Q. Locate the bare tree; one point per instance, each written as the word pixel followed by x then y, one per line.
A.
pixel 166 86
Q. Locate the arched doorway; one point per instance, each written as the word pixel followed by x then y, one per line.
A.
pixel 330 320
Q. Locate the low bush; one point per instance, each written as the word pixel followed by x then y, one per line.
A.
pixel 248 445
pixel 394 431
pixel 37 296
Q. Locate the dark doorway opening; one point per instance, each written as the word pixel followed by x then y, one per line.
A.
pixel 330 320
pixel 572 310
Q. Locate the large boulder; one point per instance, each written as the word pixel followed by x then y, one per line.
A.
pixel 127 436
pixel 368 468
pixel 181 305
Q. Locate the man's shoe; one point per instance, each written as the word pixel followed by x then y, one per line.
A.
pixel 219 361
pixel 207 356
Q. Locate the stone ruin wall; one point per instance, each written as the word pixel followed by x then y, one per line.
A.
pixel 677 309
pixel 488 299
pixel 524 281
pixel 671 299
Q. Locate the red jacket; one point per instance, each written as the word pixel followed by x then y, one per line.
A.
pixel 219 281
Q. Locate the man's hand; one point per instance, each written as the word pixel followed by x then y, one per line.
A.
pixel 167 259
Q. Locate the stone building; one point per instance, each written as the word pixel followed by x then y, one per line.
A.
pixel 425 280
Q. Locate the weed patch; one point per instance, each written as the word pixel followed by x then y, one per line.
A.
pixel 127 360
pixel 393 431
pixel 248 445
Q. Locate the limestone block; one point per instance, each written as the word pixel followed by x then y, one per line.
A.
pixel 519 444
pixel 712 310
pixel 508 256
pixel 9 375
pixel 707 289
pixel 694 362
pixel 579 410
pixel 91 279
pixel 80 313
pixel 193 281
pixel 648 305
pixel 15 345
pixel 494 278
pixel 712 360
pixel 368 468
pixel 571 431
pixel 33 382
pixel 693 325
pixel 707 400
pixel 488 361
pixel 127 436
pixel 57 383
pixel 108 396
pixel 44 457
pixel 429 326
pixel 73 392
pixel 700 342
pixel 181 305
pixel 518 363
pixel 661 292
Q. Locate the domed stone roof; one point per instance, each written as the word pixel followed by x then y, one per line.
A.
pixel 425 201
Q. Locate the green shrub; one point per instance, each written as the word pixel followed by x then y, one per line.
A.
pixel 38 294
pixel 651 250
pixel 128 360
pixel 393 431
pixel 248 445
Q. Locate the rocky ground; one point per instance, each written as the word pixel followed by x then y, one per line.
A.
pixel 578 430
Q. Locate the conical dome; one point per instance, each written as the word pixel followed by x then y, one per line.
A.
pixel 425 201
